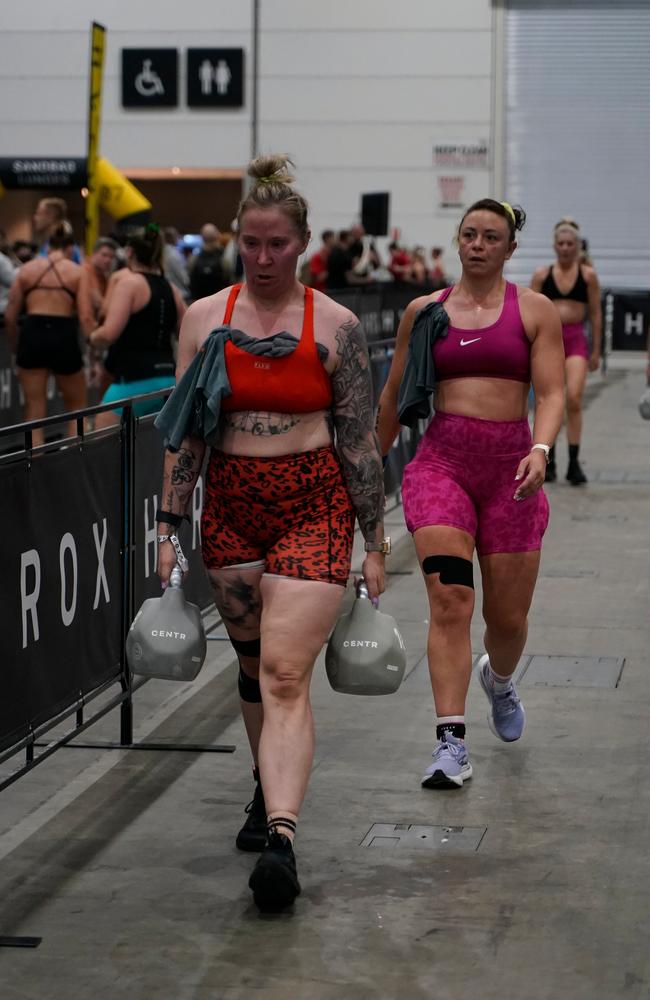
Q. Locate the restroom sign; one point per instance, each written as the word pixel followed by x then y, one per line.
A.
pixel 215 78
pixel 149 78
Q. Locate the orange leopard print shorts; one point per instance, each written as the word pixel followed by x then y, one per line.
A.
pixel 291 512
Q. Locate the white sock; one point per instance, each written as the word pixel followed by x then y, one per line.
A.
pixel 499 683
pixel 440 721
pixel 449 720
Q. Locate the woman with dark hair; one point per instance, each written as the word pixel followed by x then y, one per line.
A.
pixel 48 343
pixel 294 457
pixel 572 286
pixel 143 313
pixel 476 480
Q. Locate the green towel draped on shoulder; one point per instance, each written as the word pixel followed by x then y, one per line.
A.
pixel 194 406
pixel 419 379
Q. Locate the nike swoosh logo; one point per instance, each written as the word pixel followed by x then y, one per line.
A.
pixel 464 343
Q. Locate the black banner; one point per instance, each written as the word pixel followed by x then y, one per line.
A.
pixel 631 320
pixel 25 172
pixel 60 583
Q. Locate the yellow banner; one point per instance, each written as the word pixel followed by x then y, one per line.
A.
pixel 97 47
pixel 115 192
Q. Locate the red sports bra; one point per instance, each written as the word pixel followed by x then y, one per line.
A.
pixel 297 383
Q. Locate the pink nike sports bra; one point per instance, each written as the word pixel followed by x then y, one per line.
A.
pixel 501 350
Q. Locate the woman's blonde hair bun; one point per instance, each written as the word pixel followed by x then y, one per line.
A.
pixel 272 180
pixel 272 169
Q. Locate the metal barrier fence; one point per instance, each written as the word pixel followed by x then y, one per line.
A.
pixel 80 557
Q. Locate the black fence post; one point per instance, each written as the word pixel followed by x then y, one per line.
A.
pixel 128 568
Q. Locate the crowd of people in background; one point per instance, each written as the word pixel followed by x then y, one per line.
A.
pixel 195 267
pixel 350 259
pixel 201 266
pixel 198 266
pixel 56 305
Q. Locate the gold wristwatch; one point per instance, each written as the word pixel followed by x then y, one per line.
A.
pixel 383 546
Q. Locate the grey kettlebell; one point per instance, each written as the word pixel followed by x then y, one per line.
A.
pixel 365 653
pixel 167 639
pixel 644 404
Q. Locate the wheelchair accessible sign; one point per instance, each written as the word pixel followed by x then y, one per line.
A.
pixel 149 78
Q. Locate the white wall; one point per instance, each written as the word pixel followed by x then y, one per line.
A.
pixel 358 91
pixel 44 56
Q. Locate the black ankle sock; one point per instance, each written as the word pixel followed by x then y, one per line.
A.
pixel 456 729
pixel 573 453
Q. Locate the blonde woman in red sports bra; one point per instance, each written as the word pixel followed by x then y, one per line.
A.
pixel 296 461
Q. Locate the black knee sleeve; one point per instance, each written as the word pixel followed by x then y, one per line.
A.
pixel 452 569
pixel 249 688
pixel 247 647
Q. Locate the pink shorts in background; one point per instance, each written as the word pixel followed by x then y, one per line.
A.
pixel 463 476
pixel 575 341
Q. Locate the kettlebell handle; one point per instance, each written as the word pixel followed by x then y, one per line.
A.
pixel 362 589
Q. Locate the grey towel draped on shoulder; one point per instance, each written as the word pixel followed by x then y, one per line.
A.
pixel 194 406
pixel 419 379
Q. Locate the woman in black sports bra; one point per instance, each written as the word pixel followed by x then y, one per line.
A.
pixel 47 340
pixel 574 290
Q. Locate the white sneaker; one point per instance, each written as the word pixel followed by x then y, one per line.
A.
pixel 450 766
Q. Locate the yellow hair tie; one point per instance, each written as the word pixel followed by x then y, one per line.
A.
pixel 509 209
pixel 271 179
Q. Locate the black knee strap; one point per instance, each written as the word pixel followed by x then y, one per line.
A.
pixel 452 569
pixel 247 647
pixel 249 688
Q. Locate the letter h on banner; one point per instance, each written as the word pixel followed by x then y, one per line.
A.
pixel 634 324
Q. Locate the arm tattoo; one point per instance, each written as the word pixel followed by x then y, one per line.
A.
pixel 356 440
pixel 182 470
pixel 180 474
pixel 261 424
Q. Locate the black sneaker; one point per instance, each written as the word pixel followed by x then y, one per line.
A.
pixel 575 475
pixel 274 879
pixel 252 836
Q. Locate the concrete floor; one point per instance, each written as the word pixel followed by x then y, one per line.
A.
pixel 124 862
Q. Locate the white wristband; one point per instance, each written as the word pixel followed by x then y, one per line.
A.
pixel 546 448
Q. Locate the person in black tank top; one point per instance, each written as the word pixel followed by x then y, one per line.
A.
pixel 573 288
pixel 144 315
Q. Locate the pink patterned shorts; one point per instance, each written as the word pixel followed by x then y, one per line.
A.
pixel 463 475
pixel 575 341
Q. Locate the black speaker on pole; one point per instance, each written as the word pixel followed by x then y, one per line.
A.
pixel 374 213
